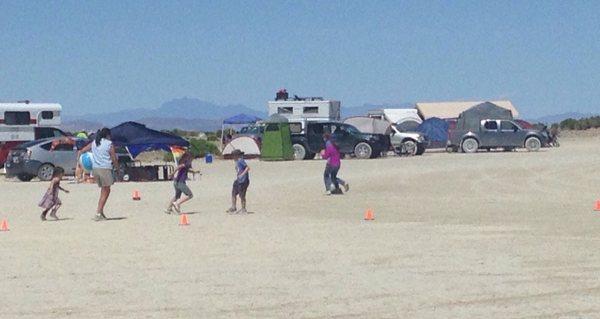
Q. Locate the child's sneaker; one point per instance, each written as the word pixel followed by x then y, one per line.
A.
pixel 43 218
pixel 346 187
pixel 177 208
pixel 242 211
pixel 99 217
pixel 231 210
pixel 53 215
pixel 327 193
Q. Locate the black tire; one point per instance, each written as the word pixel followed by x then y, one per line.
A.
pixel 25 177
pixel 533 144
pixel 363 150
pixel 45 172
pixel 299 151
pixel 470 145
pixel 420 150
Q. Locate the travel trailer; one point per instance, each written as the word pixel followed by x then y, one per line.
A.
pixel 24 121
pixel 306 108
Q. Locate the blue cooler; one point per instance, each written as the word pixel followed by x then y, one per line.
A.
pixel 208 158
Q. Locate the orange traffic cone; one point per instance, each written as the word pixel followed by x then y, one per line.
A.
pixel 369 215
pixel 136 195
pixel 183 220
pixel 4 225
pixel 597 206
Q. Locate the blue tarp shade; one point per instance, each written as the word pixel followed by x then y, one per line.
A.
pixel 241 119
pixel 138 138
pixel 435 129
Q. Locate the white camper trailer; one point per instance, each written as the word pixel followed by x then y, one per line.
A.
pixel 312 108
pixel 19 120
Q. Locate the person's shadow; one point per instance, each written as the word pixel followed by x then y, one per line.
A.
pixel 59 219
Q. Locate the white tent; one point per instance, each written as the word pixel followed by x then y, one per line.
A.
pixel 369 125
pixel 396 116
pixel 246 144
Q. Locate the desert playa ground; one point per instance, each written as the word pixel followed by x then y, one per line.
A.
pixel 489 235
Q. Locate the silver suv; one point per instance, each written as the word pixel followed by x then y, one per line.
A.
pixel 37 159
pixel 408 143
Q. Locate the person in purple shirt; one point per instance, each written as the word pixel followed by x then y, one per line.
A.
pixel 332 154
pixel 179 183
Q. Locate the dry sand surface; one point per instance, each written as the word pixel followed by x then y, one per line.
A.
pixel 489 235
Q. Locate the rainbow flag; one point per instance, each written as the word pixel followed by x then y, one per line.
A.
pixel 177 152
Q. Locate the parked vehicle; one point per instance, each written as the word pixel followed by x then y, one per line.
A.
pixel 492 134
pixel 408 143
pixel 300 108
pixel 254 131
pixel 24 121
pixel 38 159
pixel 307 140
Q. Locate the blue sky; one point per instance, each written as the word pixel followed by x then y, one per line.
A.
pixel 96 56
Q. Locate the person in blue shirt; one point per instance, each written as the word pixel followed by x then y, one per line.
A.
pixel 241 183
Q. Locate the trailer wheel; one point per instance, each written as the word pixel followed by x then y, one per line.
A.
pixel 299 152
pixel 533 144
pixel 470 145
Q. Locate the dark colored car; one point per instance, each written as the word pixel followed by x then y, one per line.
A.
pixel 349 139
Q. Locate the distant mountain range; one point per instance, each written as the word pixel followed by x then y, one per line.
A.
pixel 557 118
pixel 184 113
pixel 196 115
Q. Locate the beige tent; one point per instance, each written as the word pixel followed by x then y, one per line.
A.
pixel 245 144
pixel 450 110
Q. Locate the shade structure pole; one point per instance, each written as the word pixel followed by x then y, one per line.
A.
pixel 222 129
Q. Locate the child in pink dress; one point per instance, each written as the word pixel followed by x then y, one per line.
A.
pixel 50 201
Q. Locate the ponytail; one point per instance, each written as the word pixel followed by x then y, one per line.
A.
pixel 103 133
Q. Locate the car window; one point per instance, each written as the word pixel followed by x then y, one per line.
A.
pixel 317 129
pixel 296 127
pixel 351 129
pixel 64 147
pixel 46 146
pixel 491 125
pixel 508 126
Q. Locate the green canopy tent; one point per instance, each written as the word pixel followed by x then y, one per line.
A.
pixel 276 140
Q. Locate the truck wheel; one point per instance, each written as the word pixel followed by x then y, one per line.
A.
pixel 363 150
pixel 299 151
pixel 45 172
pixel 470 145
pixel 533 144
pixel 25 177
pixel 410 147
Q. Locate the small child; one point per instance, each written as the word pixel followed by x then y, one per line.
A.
pixel 179 183
pixel 50 201
pixel 241 183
